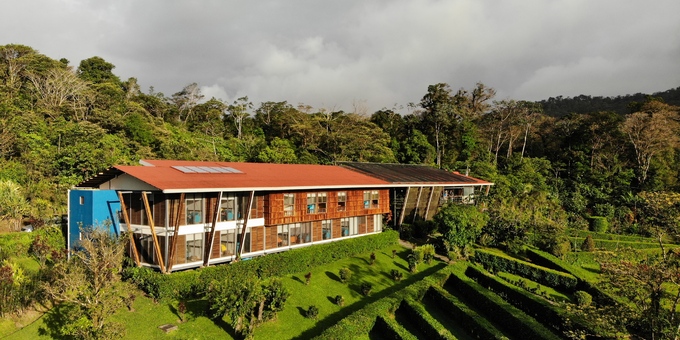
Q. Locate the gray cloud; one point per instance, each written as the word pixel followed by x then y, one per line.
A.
pixel 377 53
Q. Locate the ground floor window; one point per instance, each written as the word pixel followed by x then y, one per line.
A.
pixel 282 235
pixel 377 223
pixel 300 233
pixel 246 241
pixel 326 229
pixel 350 226
pixel 194 247
pixel 228 242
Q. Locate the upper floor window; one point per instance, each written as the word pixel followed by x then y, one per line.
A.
pixel 371 199
pixel 228 208
pixel 316 202
pixel 194 208
pixel 288 204
pixel 342 200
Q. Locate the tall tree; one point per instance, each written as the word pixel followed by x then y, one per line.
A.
pixel 650 132
pixel 97 70
pixel 438 109
pixel 238 112
pixel 186 100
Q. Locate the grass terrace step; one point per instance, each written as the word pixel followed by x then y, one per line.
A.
pixel 424 323
pixel 511 319
pixel 461 316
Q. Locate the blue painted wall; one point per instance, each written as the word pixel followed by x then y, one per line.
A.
pixel 96 208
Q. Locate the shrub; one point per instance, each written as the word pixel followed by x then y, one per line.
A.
pixel 394 253
pixel 396 275
pixel 366 288
pixel 312 312
pixel 588 244
pixel 428 252
pixel 345 274
pixel 412 263
pixel 599 224
pixel 372 258
pixel 582 298
pixel 308 277
pixel 339 300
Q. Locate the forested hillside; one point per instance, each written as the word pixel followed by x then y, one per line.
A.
pixel 62 123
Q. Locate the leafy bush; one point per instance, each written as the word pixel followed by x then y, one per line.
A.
pixel 427 251
pixel 366 288
pixel 460 224
pixel 372 259
pixel 308 278
pixel 583 299
pixel 588 244
pixel 339 300
pixel 396 275
pixel 599 224
pixel 412 262
pixel 312 312
pixel 345 274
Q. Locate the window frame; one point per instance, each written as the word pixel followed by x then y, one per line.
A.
pixel 342 200
pixel 289 204
pixel 192 210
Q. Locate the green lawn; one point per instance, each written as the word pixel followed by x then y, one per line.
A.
pixel 143 322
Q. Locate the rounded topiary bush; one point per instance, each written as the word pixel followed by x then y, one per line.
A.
pixel 366 288
pixel 312 312
pixel 599 224
pixel 339 300
pixel 582 298
pixel 345 274
pixel 588 244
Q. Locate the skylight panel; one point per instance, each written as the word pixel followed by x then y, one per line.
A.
pixel 191 169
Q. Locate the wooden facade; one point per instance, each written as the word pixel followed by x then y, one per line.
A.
pixel 185 240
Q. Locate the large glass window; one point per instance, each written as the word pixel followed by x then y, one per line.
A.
pixel 282 235
pixel 306 232
pixel 367 199
pixel 288 204
pixel 342 200
pixel 326 229
pixel 246 241
pixel 194 247
pixel 344 225
pixel 194 208
pixel 228 208
pixel 228 242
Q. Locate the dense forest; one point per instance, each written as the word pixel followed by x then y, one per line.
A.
pixel 556 163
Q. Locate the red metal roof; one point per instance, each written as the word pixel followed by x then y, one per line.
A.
pixel 162 175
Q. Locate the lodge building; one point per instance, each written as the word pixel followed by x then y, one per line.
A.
pixel 187 214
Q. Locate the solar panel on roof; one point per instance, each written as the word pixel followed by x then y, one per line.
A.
pixel 191 169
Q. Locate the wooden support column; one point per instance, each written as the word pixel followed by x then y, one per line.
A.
pixel 156 246
pixel 245 225
pixel 415 211
pixel 403 207
pixel 173 246
pixel 211 235
pixel 429 201
pixel 123 208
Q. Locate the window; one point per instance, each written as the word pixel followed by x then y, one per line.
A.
pixel 342 200
pixel 81 200
pixel 282 235
pixel 344 225
pixel 228 242
pixel 326 229
pixel 311 203
pixel 228 208
pixel 305 232
pixel 375 198
pixel 194 209
pixel 367 199
pixel 194 247
pixel 288 204
pixel 316 202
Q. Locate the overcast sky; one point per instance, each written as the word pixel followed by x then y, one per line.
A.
pixel 370 54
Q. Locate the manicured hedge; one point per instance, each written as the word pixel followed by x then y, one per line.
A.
pixel 519 324
pixel 599 224
pixel 599 296
pixel 424 321
pixel 549 277
pixel 475 324
pixel 360 323
pixel 195 282
pixel 390 329
pixel 615 244
pixel 540 309
pixel 609 236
